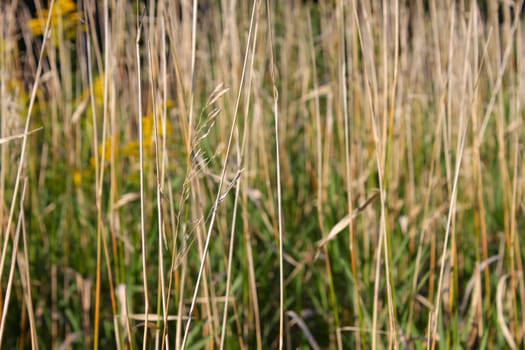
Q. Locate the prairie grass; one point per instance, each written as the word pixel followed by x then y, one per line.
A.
pixel 262 174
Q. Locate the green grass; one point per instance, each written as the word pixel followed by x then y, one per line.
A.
pixel 95 242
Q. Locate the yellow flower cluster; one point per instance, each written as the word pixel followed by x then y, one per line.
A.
pixel 130 149
pixel 64 17
pixel 98 90
pixel 112 143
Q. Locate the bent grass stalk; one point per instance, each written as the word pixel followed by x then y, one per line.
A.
pixel 240 163
pixel 278 167
pixel 24 139
pixel 141 163
pixel 219 195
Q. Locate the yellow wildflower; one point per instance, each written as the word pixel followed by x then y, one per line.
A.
pixel 64 16
pixel 77 177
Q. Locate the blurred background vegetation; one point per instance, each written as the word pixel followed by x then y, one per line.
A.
pixel 138 144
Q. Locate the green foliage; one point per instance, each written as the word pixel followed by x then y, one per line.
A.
pixel 100 199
